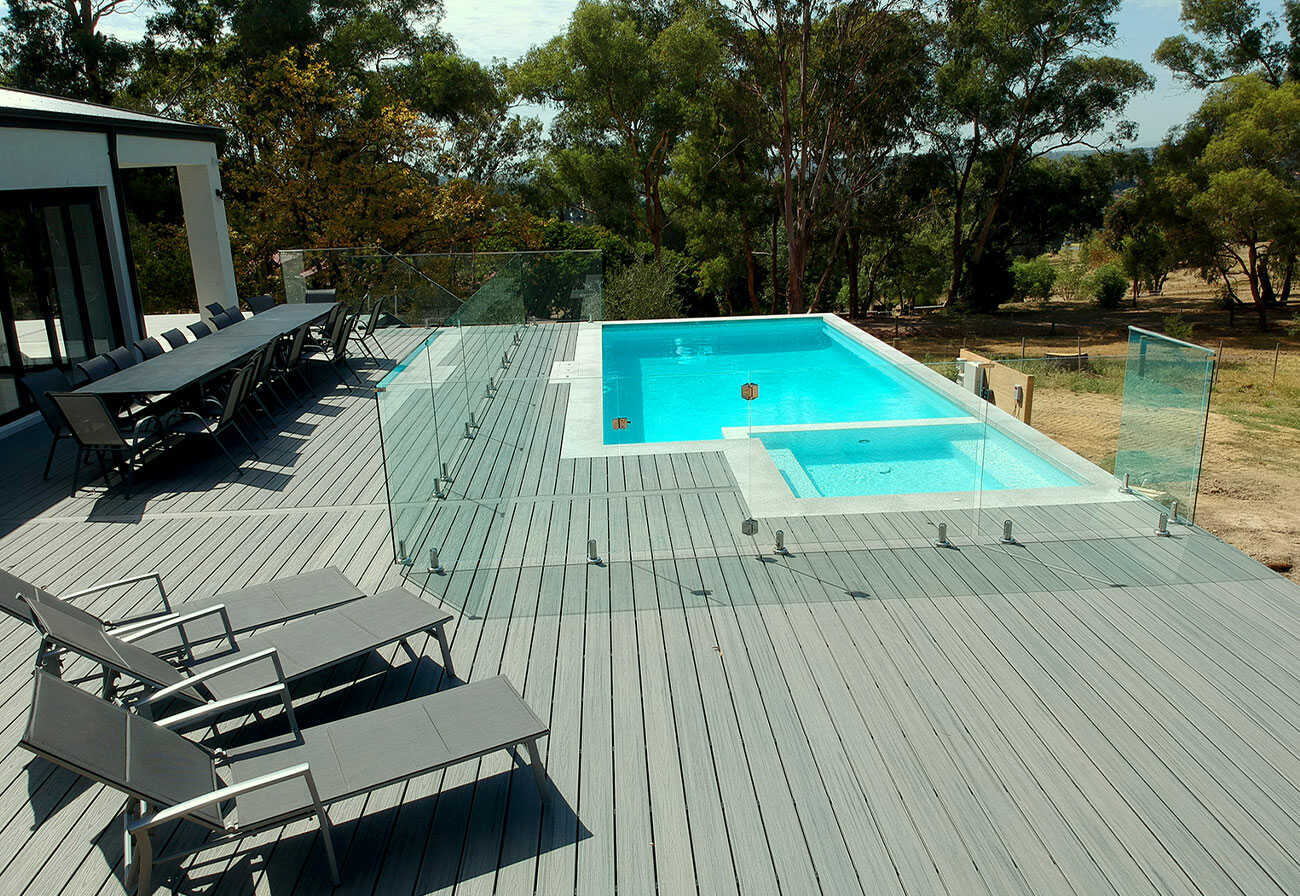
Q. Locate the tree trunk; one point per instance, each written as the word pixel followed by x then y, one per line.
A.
pixel 775 294
pixel 751 278
pixel 1253 277
pixel 853 258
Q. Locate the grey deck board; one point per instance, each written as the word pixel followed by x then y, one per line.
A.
pixel 869 713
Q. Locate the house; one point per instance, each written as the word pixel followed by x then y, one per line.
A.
pixel 68 288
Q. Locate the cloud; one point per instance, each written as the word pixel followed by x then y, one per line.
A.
pixel 504 28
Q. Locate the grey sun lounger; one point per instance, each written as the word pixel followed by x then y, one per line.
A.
pixel 243 663
pixel 268 784
pixel 246 608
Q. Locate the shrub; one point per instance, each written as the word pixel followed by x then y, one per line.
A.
pixel 1291 326
pixel 1109 286
pixel 1071 277
pixel 646 290
pixel 1033 278
pixel 1177 326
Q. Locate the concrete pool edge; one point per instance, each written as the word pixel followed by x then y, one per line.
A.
pixel 764 489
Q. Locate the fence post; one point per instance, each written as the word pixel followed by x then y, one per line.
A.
pixel 1277 347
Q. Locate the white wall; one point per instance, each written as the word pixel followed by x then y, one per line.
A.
pixel 43 160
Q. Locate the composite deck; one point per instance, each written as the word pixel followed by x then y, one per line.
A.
pixel 1091 710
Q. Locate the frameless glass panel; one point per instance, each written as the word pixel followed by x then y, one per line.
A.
pixel 100 310
pixel 1162 419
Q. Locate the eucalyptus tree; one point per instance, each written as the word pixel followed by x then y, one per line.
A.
pixel 833 85
pixel 62 48
pixel 625 77
pixel 1016 80
pixel 1233 176
pixel 1233 37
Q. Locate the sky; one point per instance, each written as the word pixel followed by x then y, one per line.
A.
pixel 505 29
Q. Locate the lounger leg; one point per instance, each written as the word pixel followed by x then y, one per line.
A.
pixel 539 770
pixel 139 869
pixel 110 684
pixel 446 651
pixel 76 469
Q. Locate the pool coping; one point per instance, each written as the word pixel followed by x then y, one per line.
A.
pixel 761 484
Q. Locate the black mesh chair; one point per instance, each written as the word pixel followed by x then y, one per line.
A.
pixel 334 350
pixel 175 338
pixel 215 308
pixel 289 361
pixel 148 348
pixel 224 319
pixel 96 368
pixel 261 382
pixel 200 330
pixel 321 295
pixel 365 332
pixel 258 304
pixel 123 357
pixel 38 385
pixel 213 418
pixel 97 430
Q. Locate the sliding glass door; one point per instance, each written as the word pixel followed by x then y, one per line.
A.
pixel 57 299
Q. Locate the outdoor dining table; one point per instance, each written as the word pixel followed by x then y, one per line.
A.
pixel 203 359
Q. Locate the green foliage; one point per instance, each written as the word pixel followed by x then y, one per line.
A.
pixel 1108 286
pixel 1003 96
pixel 162 262
pixel 1033 278
pixel 647 290
pixel 1292 326
pixel 1234 39
pixel 1177 326
pixel 1226 187
pixel 60 49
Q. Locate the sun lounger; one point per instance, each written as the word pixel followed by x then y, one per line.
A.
pixel 241 663
pixel 268 784
pixel 246 608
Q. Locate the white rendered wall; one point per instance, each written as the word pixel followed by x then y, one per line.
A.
pixel 45 160
pixel 199 177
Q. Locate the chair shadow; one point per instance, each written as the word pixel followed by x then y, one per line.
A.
pixel 439 822
pixel 50 788
pixel 317 700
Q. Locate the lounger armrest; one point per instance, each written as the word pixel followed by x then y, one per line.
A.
pixel 221 795
pixel 217 707
pixel 190 680
pixel 133 631
pixel 130 580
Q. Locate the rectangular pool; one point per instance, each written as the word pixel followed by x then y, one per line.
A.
pixel 679 382
pixel 825 405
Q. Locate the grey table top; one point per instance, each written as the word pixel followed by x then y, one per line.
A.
pixel 196 361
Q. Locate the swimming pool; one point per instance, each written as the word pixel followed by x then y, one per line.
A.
pixel 838 414
pixel 900 460
pixel 680 381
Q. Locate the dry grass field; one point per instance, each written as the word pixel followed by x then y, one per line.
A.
pixel 1250 490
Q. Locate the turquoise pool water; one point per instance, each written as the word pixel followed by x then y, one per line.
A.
pixel 677 382
pixel 900 460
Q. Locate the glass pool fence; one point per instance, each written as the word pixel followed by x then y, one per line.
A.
pixel 501 462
